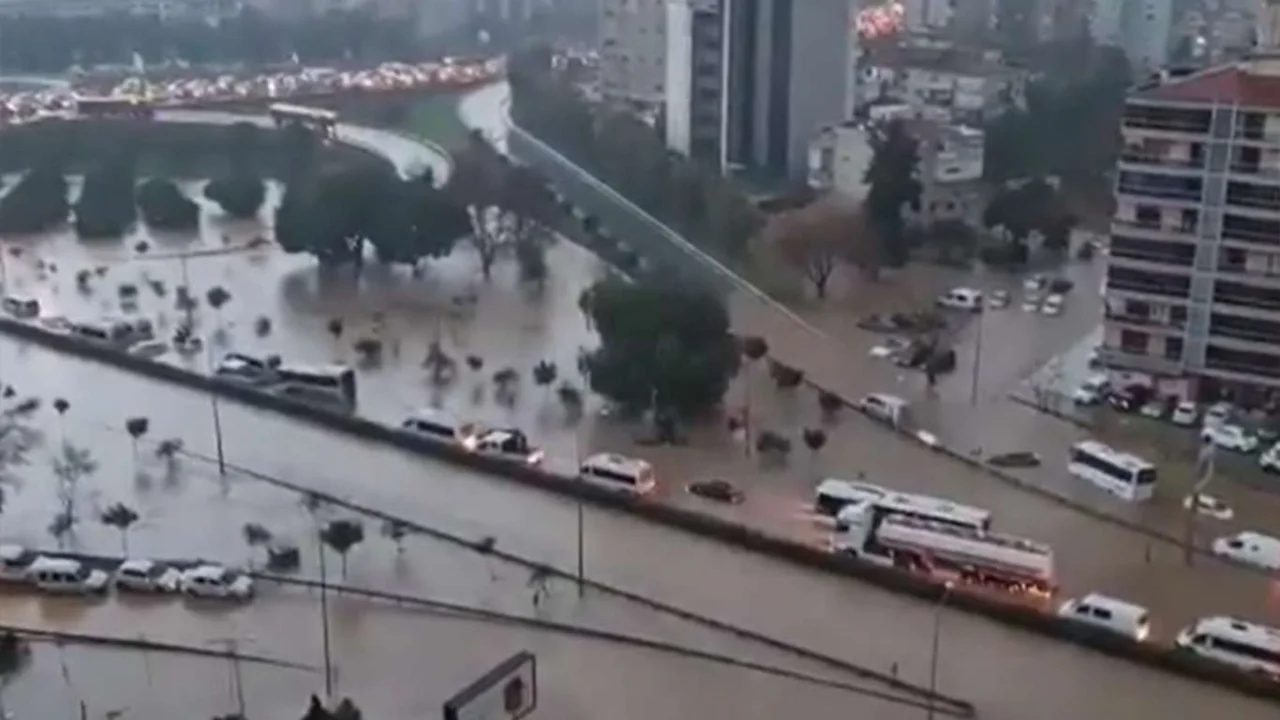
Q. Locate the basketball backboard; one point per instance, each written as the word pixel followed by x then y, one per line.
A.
pixel 507 692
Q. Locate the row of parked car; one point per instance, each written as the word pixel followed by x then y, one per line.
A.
pixel 69 576
pixel 1217 422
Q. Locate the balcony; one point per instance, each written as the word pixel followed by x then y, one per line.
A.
pixel 1239 369
pixel 1148 191
pixel 1117 358
pixel 1162 291
pixel 1153 230
pixel 1157 161
pixel 1146 322
pixel 1184 124
pixel 1258 303
pixel 1256 170
pixel 1248 339
pixel 1249 236
pixel 1151 253
pixel 1263 278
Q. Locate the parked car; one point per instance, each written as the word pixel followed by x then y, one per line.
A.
pixel 63 575
pixel 14 560
pixel 1129 398
pixel 22 308
pixel 1052 305
pixel 1219 413
pixel 511 443
pixel 1154 409
pixel 147 576
pixel 999 300
pixel 1092 391
pixel 1250 548
pixel 216 581
pixel 1230 437
pixel 1185 414
pixel 962 298
pixel 149 349
pixel 718 490
pixel 239 367
pixel 1269 461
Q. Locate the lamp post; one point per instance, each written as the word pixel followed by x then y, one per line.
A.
pixel 933 655
pixel 577 454
pixel 232 647
pixel 217 416
pixel 324 624
pixel 1206 464
pixel 977 359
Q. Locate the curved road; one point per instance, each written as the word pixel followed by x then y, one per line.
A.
pixel 1009 675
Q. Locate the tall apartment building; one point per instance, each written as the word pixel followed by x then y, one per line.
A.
pixel 756 80
pixel 633 49
pixel 1193 277
pixel 1142 28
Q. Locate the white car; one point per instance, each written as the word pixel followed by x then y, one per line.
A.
pixel 147 576
pixel 1250 548
pixel 1270 460
pixel 962 298
pixel 1230 437
pixel 1031 303
pixel 1052 305
pixel 1092 390
pixel 1210 506
pixel 62 575
pixel 216 581
pixel 509 443
pixel 1218 413
pixel 14 560
pixel 1185 414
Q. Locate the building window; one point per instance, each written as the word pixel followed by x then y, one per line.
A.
pixel 1137 308
pixel 1133 342
pixel 1173 348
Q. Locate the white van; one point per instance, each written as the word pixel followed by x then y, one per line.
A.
pixel 962 299
pixel 440 425
pixel 1108 613
pixel 834 494
pixel 887 408
pixel 618 472
pixel 1250 647
pixel 62 575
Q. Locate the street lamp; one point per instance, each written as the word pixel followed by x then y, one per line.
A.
pixel 217 415
pixel 977 359
pixel 933 657
pixel 232 648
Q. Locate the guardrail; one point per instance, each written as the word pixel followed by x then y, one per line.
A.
pixel 695 523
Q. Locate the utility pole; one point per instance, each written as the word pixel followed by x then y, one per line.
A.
pixel 217 416
pixel 324 626
pixel 577 452
pixel 933 655
pixel 231 646
pixel 977 359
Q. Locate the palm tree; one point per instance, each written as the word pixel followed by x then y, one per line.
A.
pixel 121 517
pixel 341 536
pixel 136 427
pixel 815 439
pixel 753 348
pixel 395 531
pixel 61 406
pixel 544 374
pixel 217 297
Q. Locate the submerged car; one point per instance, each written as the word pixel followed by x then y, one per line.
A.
pixel 718 490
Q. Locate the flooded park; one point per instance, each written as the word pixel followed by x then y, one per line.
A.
pixel 393 659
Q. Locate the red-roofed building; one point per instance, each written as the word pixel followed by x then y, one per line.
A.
pixel 1193 274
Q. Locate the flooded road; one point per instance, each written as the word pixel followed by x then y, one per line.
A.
pixel 1008 674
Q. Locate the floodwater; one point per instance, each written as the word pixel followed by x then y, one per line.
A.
pixel 1008 674
pixel 983 662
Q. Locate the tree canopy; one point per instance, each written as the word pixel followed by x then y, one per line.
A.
pixel 893 188
pixel 1019 210
pixel 623 151
pixel 37 203
pixel 662 347
pixel 106 207
pixel 240 192
pixel 336 215
pixel 165 207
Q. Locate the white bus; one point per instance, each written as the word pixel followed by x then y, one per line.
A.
pixel 1248 646
pixel 833 495
pixel 618 472
pixel 323 385
pixel 1122 474
pixel 872 511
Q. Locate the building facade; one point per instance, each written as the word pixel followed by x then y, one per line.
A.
pixel 1192 293
pixel 633 49
pixel 780 69
pixel 972 86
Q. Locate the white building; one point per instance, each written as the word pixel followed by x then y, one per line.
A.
pixel 633 48
pixel 971 85
pixel 838 161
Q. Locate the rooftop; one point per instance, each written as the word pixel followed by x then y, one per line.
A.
pixel 1254 83
pixel 942 59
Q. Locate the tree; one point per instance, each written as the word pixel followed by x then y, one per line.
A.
pixel 70 466
pixel 815 439
pixel 662 348
pixel 955 240
pixel 136 427
pixel 893 188
pixel 395 531
pixel 37 203
pixel 341 536
pixel 239 195
pixel 165 207
pixel 816 239
pixel 217 297
pixel 477 184
pixel 106 208
pixel 544 374
pixel 121 517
